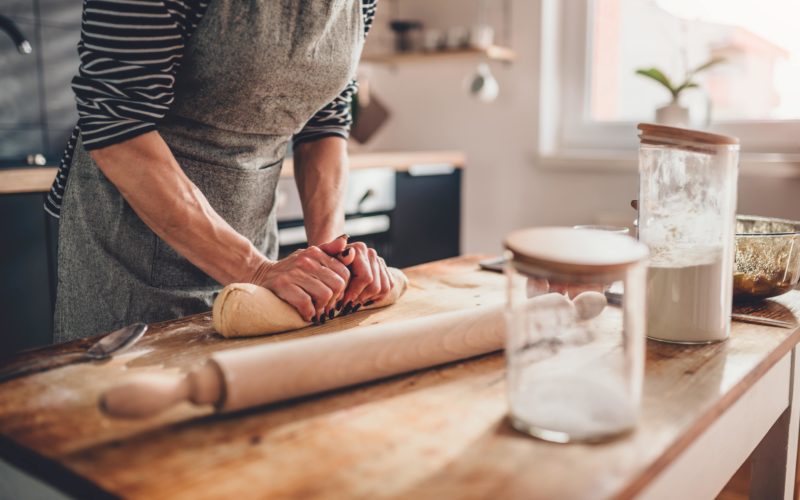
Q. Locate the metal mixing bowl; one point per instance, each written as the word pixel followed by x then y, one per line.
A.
pixel 767 257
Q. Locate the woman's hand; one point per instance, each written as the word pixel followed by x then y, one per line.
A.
pixel 370 280
pixel 310 279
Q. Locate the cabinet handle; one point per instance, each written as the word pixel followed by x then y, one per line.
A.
pixel 369 193
pixel 424 169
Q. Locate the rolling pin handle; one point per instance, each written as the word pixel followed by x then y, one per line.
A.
pixel 150 394
pixel 145 395
pixel 206 383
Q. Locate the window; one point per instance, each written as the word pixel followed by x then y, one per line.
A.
pixel 596 97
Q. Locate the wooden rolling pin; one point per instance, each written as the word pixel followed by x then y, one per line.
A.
pixel 252 376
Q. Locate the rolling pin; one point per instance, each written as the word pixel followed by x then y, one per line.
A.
pixel 252 376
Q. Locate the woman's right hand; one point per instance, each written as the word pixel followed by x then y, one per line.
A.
pixel 309 279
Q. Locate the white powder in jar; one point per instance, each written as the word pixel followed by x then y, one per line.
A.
pixel 688 295
pixel 576 407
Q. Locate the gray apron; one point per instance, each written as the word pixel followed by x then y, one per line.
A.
pixel 253 73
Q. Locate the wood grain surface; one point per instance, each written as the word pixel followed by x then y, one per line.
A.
pixel 27 180
pixel 438 433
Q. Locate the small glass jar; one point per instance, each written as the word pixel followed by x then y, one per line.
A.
pixel 574 348
pixel 687 217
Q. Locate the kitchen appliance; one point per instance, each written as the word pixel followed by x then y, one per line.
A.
pixel 369 203
pixel 687 204
pixel 575 362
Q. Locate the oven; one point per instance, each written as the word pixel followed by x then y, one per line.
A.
pixel 369 205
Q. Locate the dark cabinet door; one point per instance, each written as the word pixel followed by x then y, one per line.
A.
pixel 25 294
pixel 426 222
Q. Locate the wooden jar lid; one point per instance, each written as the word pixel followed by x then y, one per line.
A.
pixel 662 135
pixel 579 251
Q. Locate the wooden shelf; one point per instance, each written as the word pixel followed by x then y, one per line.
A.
pixel 494 53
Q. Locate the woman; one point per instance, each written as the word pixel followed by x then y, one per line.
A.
pixel 167 187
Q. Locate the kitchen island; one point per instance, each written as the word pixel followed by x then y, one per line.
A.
pixel 437 433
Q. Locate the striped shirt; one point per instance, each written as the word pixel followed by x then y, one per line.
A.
pixel 130 52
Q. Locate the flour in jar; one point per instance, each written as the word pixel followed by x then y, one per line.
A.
pixel 688 295
pixel 575 407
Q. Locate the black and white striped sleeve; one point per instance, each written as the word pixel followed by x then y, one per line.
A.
pixel 336 117
pixel 129 53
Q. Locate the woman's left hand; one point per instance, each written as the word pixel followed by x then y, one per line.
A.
pixel 370 280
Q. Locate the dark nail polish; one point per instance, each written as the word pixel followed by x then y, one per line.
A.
pixel 339 305
pixel 348 308
pixel 331 313
pixel 346 252
pixel 357 307
pixel 322 318
pixel 368 303
pixel 314 320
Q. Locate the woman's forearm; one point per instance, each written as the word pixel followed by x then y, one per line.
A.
pixel 151 181
pixel 320 170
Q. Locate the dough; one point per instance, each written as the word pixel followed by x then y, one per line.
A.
pixel 246 310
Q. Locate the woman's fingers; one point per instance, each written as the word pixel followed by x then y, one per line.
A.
pixel 354 274
pixel 335 246
pixel 347 256
pixel 337 286
pixel 388 274
pixel 386 281
pixel 328 261
pixel 360 275
pixel 330 264
pixel 297 298
pixel 319 293
pixel 381 283
pixel 374 288
pixel 308 279
pixel 339 249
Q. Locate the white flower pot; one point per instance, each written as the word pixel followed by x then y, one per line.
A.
pixel 673 114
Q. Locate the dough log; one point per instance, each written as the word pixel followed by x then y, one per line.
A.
pixel 247 310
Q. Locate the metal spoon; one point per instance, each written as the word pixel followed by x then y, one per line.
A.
pixel 108 345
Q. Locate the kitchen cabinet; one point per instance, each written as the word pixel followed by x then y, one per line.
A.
pixel 426 223
pixel 27 250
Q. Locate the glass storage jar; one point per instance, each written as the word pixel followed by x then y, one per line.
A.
pixel 575 358
pixel 687 217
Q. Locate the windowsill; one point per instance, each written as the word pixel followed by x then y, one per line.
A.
pixel 621 162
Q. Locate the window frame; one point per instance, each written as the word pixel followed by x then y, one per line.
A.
pixel 566 128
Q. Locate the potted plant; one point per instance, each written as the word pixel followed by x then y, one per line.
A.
pixel 674 113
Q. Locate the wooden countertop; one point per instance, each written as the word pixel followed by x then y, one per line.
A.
pixel 438 433
pixel 39 179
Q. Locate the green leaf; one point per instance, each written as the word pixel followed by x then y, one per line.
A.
pixel 711 62
pixel 685 85
pixel 657 75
